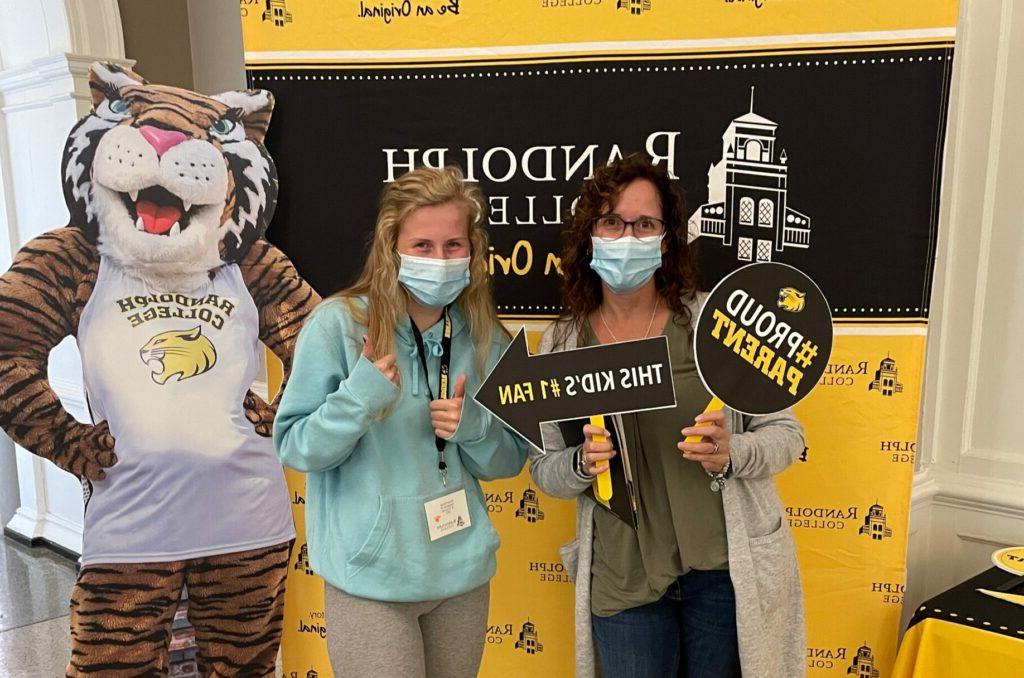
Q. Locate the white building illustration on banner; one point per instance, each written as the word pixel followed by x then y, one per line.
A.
pixel 747 205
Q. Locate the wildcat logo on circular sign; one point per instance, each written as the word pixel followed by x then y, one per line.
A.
pixel 763 338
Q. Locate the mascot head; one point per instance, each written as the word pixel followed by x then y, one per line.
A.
pixel 168 183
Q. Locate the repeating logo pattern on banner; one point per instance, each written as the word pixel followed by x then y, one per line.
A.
pixel 805 133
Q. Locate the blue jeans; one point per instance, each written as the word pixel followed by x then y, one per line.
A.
pixel 690 632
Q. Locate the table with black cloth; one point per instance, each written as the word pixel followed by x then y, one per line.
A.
pixel 964 633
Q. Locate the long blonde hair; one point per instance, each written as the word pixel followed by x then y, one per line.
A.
pixel 387 299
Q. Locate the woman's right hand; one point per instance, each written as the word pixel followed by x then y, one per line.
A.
pixel 595 455
pixel 387 365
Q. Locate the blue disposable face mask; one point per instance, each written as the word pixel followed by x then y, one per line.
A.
pixel 433 282
pixel 626 263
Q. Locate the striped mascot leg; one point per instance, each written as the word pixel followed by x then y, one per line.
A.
pixel 121 614
pixel 121 619
pixel 236 604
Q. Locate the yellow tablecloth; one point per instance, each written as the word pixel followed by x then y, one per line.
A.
pixel 935 648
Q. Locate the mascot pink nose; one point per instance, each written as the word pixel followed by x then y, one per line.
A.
pixel 161 139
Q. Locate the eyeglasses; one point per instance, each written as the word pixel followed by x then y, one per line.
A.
pixel 613 226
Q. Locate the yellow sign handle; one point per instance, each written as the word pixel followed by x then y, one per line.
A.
pixel 715 404
pixel 603 482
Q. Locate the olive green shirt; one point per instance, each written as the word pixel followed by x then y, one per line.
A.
pixel 682 523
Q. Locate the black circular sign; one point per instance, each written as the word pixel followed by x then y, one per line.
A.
pixel 763 338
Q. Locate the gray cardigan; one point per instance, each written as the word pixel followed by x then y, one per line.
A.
pixel 762 557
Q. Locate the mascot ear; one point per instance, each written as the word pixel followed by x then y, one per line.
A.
pixel 106 78
pixel 256 106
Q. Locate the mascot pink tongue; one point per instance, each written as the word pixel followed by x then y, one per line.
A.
pixel 155 218
pixel 178 433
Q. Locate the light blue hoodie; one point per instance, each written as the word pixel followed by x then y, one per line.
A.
pixel 368 477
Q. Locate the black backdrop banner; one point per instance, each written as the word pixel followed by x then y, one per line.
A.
pixel 859 163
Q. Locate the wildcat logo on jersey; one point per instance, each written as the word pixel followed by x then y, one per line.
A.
pixel 181 353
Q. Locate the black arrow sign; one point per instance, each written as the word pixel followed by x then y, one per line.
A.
pixel 524 391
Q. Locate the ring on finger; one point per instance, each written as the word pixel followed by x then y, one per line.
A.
pixel 715 450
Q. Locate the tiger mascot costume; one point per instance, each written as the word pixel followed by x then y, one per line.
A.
pixel 165 280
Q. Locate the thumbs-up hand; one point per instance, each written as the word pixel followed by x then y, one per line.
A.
pixel 387 365
pixel 446 413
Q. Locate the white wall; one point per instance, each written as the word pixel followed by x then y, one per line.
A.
pixel 195 44
pixel 9 495
pixel 218 58
pixel 46 47
pixel 969 494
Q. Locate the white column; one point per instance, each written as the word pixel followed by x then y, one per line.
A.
pixel 969 497
pixel 46 47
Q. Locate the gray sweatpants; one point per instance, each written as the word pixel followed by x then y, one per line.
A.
pixel 433 639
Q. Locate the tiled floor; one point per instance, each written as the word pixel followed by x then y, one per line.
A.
pixel 35 587
pixel 36 651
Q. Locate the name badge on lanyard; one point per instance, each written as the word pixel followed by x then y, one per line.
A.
pixel 447 515
pixel 442 382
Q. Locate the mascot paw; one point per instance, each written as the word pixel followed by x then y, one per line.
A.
pixel 89 455
pixel 259 414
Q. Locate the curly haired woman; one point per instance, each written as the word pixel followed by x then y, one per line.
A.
pixel 707 585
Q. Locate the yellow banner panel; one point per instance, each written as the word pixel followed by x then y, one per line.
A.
pixel 847 501
pixel 486 26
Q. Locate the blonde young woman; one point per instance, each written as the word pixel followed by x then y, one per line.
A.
pixel 376 414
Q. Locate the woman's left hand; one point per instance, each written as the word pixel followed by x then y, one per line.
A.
pixel 445 414
pixel 713 452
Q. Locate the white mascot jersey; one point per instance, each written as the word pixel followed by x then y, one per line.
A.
pixel 170 372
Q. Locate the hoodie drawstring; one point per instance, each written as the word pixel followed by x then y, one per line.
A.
pixel 432 346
